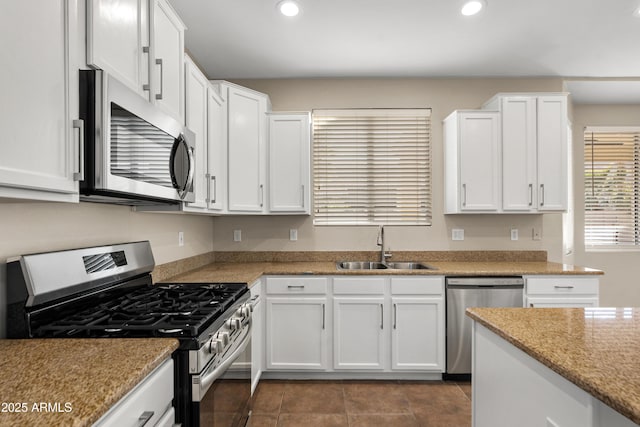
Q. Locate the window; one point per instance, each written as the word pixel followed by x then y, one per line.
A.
pixel 612 187
pixel 372 167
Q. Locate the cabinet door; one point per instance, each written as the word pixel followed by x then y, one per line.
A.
pixel 217 150
pixel 257 335
pixel 246 128
pixel 358 333
pixel 41 46
pixel 518 153
pixel 479 161
pixel 289 142
pixel 296 333
pixel 168 59
pixel 118 41
pixel 196 85
pixel 417 334
pixel 552 153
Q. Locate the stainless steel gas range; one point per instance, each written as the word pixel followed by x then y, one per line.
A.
pixel 107 292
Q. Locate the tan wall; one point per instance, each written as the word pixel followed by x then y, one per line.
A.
pixel 443 96
pixel 36 227
pixel 620 286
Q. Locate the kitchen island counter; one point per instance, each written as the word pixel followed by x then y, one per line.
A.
pixel 72 382
pixel 596 349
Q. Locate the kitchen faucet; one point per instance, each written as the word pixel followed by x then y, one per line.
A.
pixel 383 255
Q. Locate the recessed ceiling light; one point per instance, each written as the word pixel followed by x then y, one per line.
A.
pixel 472 7
pixel 288 8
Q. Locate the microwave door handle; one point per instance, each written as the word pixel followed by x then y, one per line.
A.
pixel 192 167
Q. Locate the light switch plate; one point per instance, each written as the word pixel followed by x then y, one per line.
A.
pixel 457 234
pixel 536 233
pixel 237 235
pixel 180 238
pixel 514 234
pixel 293 234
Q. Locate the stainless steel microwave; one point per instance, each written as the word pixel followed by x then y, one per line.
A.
pixel 134 154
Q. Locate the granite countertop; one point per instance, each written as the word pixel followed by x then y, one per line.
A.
pixel 597 349
pixel 249 272
pixel 80 379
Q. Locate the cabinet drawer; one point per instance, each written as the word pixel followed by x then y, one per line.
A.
pixel 417 285
pixel 151 397
pixel 297 285
pixel 358 285
pixel 562 285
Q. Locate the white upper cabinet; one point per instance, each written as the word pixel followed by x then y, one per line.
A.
pixel 246 145
pixel 118 41
pixel 217 151
pixel 289 158
pixel 196 85
pixel 472 159
pixel 552 152
pixel 534 151
pixel 141 43
pixel 167 59
pixel 39 155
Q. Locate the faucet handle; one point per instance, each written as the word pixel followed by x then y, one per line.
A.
pixel 380 240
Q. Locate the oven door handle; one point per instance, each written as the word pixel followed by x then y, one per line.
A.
pixel 206 379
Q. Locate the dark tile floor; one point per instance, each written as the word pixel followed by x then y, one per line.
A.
pixel 361 404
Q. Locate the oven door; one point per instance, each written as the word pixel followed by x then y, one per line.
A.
pixel 221 395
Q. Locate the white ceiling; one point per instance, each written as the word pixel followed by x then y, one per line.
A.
pixel 236 39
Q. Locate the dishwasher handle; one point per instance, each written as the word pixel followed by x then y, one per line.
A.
pixel 484 282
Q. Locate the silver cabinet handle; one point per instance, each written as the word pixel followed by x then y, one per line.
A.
pixel 144 418
pixel 79 176
pixel 530 194
pixel 295 286
pixel 146 86
pixel 215 188
pixel 541 194
pixel 208 198
pixel 381 316
pixel 563 287
pixel 464 194
pixel 159 62
pixel 395 316
pixel 261 195
pixel 302 196
pixel 323 316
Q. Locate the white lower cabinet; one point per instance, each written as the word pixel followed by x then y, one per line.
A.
pixel 370 325
pixel 149 403
pixel 561 291
pixel 296 332
pixel 257 334
pixel 510 388
pixel 359 333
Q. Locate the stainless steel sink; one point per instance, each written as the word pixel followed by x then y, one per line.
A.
pixel 373 265
pixel 360 265
pixel 409 266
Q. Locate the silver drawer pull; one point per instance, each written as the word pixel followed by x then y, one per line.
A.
pixel 295 286
pixel 144 418
pixel 563 287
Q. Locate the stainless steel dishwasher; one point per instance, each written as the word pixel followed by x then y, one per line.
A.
pixel 464 292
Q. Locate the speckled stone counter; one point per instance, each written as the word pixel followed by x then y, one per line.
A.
pixel 597 349
pixel 78 380
pixel 249 272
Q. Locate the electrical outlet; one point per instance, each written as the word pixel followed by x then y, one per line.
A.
pixel 293 234
pixel 237 235
pixel 457 234
pixel 180 238
pixel 514 234
pixel 536 233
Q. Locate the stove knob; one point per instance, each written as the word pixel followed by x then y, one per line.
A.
pixel 223 337
pixel 231 325
pixel 215 346
pixel 237 322
pixel 247 310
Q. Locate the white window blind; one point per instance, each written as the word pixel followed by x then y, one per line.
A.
pixel 612 186
pixel 372 167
